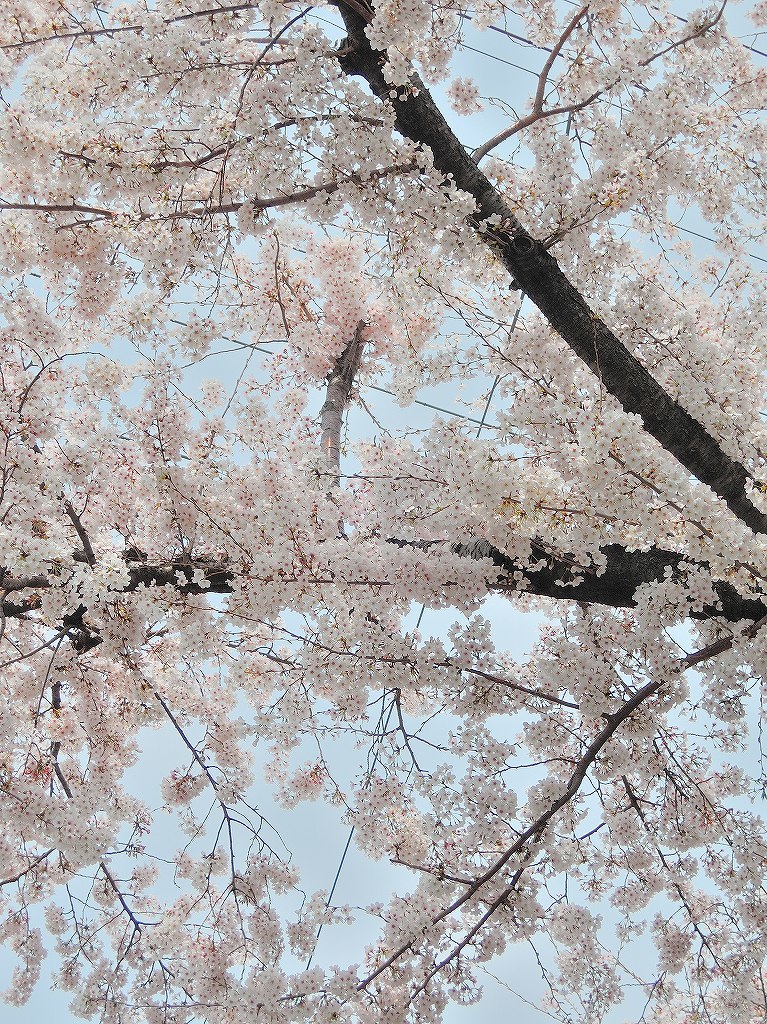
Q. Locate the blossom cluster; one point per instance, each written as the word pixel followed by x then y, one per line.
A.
pixel 207 632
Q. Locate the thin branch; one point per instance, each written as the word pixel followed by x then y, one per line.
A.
pixel 725 644
pixel 208 210
pixel 517 687
pixel 534 831
pixel 95 33
pixel 25 871
pixel 137 924
pixel 538 112
pixel 90 557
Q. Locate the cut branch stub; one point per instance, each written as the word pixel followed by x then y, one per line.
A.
pixel 523 249
pixel 340 381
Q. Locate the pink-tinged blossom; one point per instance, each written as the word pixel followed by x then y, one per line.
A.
pixel 215 223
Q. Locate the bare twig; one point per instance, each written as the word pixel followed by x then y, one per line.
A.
pixel 538 113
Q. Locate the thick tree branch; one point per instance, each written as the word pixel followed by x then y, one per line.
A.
pixel 560 577
pixel 537 272
pixel 545 574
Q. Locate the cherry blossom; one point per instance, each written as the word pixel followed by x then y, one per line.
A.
pixel 225 231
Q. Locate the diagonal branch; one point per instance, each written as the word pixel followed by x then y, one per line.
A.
pixel 90 557
pixel 537 113
pixel 537 272
pixel 532 834
pixel 722 645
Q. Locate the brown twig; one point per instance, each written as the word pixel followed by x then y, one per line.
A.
pixel 725 644
pixel 537 113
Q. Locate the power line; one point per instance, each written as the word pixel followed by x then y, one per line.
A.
pixel 707 238
pixel 501 60
pixel 375 749
pixel 240 345
pixel 437 408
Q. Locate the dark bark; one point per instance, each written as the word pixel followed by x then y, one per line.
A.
pixel 545 574
pixel 617 585
pixel 536 271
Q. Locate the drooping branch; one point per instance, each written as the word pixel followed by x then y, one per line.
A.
pixel 537 272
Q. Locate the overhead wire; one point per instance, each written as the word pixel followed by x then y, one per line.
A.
pixel 375 751
pixel 524 40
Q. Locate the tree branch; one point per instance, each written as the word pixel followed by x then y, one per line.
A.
pixel 208 210
pixel 533 832
pixel 537 272
pixel 537 113
pixel 90 557
pixel 544 574
pixel 563 578
pixel 725 644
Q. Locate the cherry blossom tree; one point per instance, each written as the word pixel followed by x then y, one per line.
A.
pixel 212 555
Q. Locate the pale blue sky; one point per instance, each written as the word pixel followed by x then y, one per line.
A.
pixel 310 830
